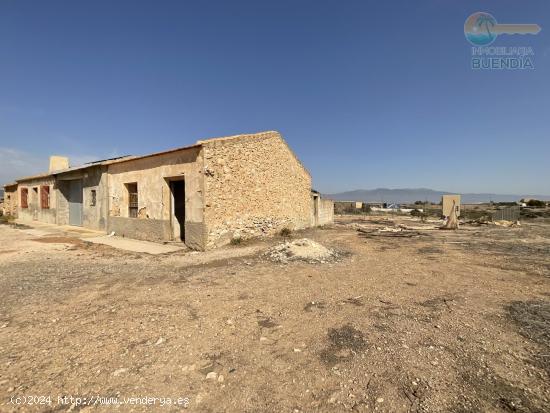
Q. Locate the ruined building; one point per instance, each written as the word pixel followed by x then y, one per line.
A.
pixel 204 195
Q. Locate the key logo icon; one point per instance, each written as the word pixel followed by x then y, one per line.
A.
pixel 481 29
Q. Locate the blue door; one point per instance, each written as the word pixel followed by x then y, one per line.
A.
pixel 75 202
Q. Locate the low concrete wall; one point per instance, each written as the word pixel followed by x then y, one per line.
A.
pixel 195 235
pixel 157 230
pixel 325 212
pixel 143 229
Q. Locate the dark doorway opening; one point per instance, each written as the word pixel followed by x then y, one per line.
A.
pixel 178 211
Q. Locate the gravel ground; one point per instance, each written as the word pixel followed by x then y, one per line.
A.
pixel 440 321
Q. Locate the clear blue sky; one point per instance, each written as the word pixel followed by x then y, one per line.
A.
pixel 368 93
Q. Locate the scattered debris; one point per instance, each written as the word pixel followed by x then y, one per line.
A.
pixel 315 304
pixel 399 231
pixel 452 220
pixel 119 371
pixel 476 222
pixel 302 250
pixel 212 376
pixel 509 224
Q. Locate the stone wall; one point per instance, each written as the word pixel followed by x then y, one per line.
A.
pixel 254 185
pixel 10 201
pixel 35 212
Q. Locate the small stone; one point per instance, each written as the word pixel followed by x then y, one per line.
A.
pixel 220 378
pixel 160 341
pixel 380 400
pixel 119 371
pixel 212 375
pixel 297 350
pixel 263 338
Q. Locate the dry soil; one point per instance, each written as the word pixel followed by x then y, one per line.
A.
pixel 435 321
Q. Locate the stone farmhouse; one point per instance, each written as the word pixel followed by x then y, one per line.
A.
pixel 204 195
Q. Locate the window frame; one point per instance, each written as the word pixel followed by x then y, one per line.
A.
pixel 132 199
pixel 93 197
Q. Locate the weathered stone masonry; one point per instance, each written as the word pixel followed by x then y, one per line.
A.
pixel 206 194
pixel 254 185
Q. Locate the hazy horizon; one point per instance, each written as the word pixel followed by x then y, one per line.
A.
pixel 361 105
pixel 435 190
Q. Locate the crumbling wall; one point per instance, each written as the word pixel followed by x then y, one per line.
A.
pixel 448 202
pixel 10 201
pixel 254 185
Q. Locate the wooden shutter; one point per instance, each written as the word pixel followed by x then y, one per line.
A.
pixel 45 197
pixel 24 197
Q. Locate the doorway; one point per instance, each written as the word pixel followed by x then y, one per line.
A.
pixel 315 210
pixel 75 202
pixel 177 189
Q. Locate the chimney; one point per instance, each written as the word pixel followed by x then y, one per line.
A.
pixel 57 163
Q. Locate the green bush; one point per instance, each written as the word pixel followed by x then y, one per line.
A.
pixel 536 203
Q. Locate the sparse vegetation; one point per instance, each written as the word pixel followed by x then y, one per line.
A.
pixel 420 214
pixel 475 214
pixel 285 232
pixel 5 219
pixel 536 203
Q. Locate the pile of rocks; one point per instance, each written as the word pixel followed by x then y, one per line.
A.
pixel 302 250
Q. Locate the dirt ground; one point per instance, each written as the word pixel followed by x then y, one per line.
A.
pixel 421 321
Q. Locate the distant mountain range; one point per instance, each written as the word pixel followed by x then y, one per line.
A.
pixel 409 195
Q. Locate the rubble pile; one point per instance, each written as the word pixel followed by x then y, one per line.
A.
pixel 302 250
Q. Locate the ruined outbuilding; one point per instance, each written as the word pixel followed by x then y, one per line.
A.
pixel 204 195
pixel 10 200
pixel 448 203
